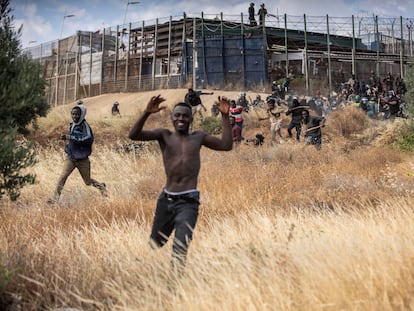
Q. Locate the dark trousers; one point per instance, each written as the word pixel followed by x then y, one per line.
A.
pixel 297 126
pixel 84 168
pixel 175 212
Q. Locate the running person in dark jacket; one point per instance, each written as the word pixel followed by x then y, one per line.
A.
pixel 313 131
pixel 78 149
pixel 296 121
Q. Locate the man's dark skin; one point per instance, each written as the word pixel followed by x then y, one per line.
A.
pixel 181 149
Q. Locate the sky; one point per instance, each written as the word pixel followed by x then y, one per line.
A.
pixel 44 20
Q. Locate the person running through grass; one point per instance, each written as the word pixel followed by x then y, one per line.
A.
pixel 313 131
pixel 78 149
pixel 274 114
pixel 296 122
pixel 178 203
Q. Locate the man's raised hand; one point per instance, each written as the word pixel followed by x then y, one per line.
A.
pixel 153 105
pixel 223 104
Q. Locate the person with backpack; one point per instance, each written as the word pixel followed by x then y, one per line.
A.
pixel 78 149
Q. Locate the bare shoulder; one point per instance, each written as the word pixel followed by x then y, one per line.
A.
pixel 199 133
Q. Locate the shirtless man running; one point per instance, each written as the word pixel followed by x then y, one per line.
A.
pixel 177 205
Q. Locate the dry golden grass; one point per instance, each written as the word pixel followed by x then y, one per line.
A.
pixel 280 228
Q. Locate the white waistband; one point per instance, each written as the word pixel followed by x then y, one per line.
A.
pixel 179 193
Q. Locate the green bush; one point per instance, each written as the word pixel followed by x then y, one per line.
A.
pixel 212 125
pixel 22 101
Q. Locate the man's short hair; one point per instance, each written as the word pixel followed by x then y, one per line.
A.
pixel 182 104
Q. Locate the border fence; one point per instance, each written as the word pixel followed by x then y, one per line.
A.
pixel 224 51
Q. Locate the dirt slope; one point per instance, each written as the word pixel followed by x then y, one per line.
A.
pixel 110 128
pixel 130 103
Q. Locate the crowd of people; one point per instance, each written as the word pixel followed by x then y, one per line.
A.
pixel 178 202
pixel 301 113
pixel 380 98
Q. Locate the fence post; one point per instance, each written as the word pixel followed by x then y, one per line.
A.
pixel 169 52
pixel 184 65
pixel 102 63
pixel 141 57
pixel 194 52
pixel 243 52
pixel 154 55
pixel 306 54
pixel 77 62
pixel 402 49
pixel 116 53
pixel 66 78
pixel 353 46
pixel 328 43
pixel 378 46
pixel 127 58
pixel 57 73
pixel 223 60
pixel 204 49
pixel 90 63
pixel 286 48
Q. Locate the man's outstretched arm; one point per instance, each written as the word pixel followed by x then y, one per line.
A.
pixel 226 141
pixel 136 132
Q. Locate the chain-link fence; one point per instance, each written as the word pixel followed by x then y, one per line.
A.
pixel 219 50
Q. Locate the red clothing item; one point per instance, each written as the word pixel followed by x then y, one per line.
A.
pixel 236 112
pixel 236 131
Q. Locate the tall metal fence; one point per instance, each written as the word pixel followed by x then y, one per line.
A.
pixel 127 58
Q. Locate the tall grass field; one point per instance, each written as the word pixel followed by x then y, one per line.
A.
pixel 283 227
